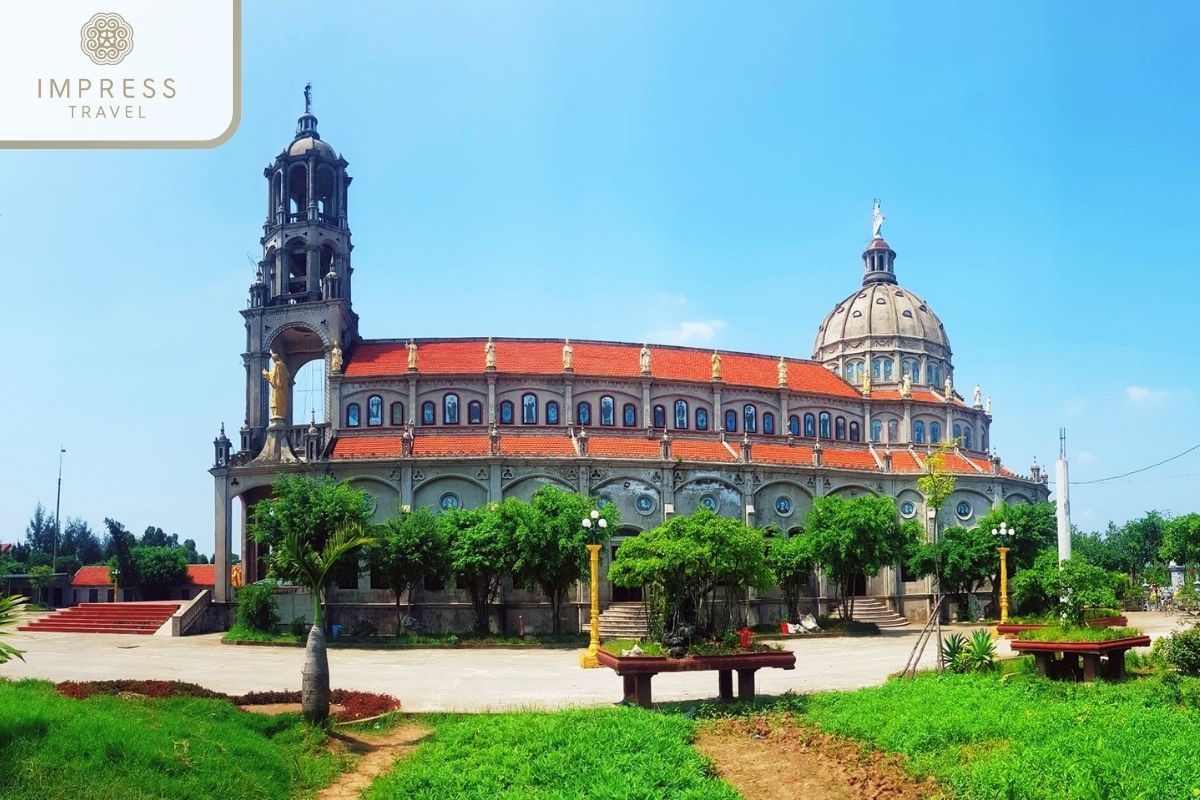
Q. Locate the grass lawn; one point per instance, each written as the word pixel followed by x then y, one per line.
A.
pixel 1021 737
pixel 605 754
pixel 107 747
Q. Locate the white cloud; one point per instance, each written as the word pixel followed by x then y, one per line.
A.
pixel 1140 395
pixel 690 332
pixel 1084 457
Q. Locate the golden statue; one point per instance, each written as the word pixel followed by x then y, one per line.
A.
pixel 906 386
pixel 866 383
pixel 412 354
pixel 489 354
pixel 781 371
pixel 235 575
pixel 568 355
pixel 279 379
pixel 335 359
pixel 716 366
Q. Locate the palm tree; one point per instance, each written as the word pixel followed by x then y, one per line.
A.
pixel 296 560
pixel 12 608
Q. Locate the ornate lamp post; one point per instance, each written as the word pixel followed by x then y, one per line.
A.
pixel 587 659
pixel 1003 534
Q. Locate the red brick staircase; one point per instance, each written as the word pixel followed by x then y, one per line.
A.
pixel 144 618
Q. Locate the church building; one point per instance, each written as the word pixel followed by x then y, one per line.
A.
pixel 656 430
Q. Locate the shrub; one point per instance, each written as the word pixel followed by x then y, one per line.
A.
pixel 257 608
pixel 1183 650
pixel 953 650
pixel 980 654
pixel 298 627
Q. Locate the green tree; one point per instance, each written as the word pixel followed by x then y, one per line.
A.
pixel 1065 588
pixel 967 557
pixel 122 569
pixel 410 546
pixel 1140 541
pixel 40 577
pixel 1181 539
pixel 12 608
pixel 158 569
pixel 550 543
pixel 684 563
pixel 482 550
pixel 10 566
pixel 856 537
pixel 191 554
pixel 157 537
pixel 39 533
pixel 67 564
pixel 80 541
pixel 318 507
pixel 792 560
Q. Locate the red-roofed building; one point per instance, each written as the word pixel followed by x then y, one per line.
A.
pixel 92 584
pixel 655 430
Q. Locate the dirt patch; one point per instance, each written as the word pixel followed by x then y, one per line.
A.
pixel 781 759
pixel 377 755
pixel 272 709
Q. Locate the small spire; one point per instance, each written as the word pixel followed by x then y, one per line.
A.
pixel 307 124
pixel 308 109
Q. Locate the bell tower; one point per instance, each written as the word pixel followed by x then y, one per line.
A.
pixel 300 301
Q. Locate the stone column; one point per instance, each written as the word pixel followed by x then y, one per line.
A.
pixel 491 379
pixel 783 428
pixel 906 423
pixel 569 401
pixel 223 540
pixel 647 418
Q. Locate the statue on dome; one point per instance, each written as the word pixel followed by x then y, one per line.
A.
pixel 866 383
pixel 280 382
pixel 489 354
pixel 308 98
pixel 782 372
pixel 412 354
pixel 716 366
pixel 906 386
pixel 644 360
pixel 335 359
pixel 977 400
pixel 948 389
pixel 568 355
pixel 877 221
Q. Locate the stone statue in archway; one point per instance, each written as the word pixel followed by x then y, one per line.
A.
pixel 280 381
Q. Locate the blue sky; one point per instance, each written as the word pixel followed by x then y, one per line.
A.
pixel 689 173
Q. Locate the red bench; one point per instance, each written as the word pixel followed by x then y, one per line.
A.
pixel 639 670
pixel 1049 665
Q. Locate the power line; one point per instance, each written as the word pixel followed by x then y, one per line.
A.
pixel 1136 471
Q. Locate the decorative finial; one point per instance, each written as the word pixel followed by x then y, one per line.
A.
pixel 568 355
pixel 644 360
pixel 716 366
pixel 412 354
pixel 489 354
pixel 308 98
pixel 877 221
pixel 782 372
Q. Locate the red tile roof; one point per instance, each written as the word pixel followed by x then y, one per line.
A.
pixel 623 447
pixel 368 447
pixel 795 455
pixel 201 575
pixel 551 446
pixel 456 445
pixel 372 359
pixel 197 575
pixel 848 459
pixel 91 576
pixel 904 461
pixel 705 450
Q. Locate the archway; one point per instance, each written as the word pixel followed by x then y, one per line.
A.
pixel 620 594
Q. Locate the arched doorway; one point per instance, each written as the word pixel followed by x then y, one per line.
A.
pixel 620 594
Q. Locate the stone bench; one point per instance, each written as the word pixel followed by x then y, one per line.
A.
pixel 638 671
pixel 1045 655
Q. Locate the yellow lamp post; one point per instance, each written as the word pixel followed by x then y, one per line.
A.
pixel 1003 534
pixel 587 659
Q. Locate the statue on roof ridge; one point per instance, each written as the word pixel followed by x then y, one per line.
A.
pixel 644 360
pixel 716 366
pixel 489 354
pixel 782 372
pixel 412 354
pixel 568 355
pixel 877 221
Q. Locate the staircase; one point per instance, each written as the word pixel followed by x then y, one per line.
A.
pixel 144 618
pixel 868 609
pixel 624 621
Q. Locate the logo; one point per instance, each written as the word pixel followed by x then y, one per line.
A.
pixel 106 39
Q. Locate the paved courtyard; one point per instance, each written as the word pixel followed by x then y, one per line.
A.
pixel 457 680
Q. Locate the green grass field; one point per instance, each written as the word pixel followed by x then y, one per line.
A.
pixel 602 754
pixel 53 747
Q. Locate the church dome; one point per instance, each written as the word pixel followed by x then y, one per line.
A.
pixel 308 143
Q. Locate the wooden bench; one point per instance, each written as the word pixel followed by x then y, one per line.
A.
pixel 638 671
pixel 1045 654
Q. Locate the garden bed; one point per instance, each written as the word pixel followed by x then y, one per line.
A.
pixel 1104 658
pixel 1008 628
pixel 449 642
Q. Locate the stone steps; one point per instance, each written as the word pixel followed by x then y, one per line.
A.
pixel 868 609
pixel 139 618
pixel 624 621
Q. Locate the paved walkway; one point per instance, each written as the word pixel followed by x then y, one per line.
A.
pixel 457 680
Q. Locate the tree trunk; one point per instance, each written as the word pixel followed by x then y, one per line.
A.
pixel 314 683
pixel 556 601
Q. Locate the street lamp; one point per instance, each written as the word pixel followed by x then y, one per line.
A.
pixel 1003 535
pixel 588 659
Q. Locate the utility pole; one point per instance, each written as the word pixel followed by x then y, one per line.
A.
pixel 1063 498
pixel 57 507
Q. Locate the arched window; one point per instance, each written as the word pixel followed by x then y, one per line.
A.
pixel 750 418
pixel 552 412
pixel 768 423
pixel 731 420
pixel 810 425
pixel 583 413
pixel 450 409
pixel 352 415
pixel 918 432
pixel 607 411
pixel 397 413
pixel 966 438
pixel 914 371
pixel 660 416
pixel 935 432
pixel 839 429
pixel 374 410
pixel 956 432
pixel 506 412
pixel 681 415
pixel 824 424
pixel 933 375
pixel 876 430
pixel 854 373
pixel 529 409
pixel 628 416
pixel 893 431
pixel 474 413
pixel 794 425
pixel 881 369
pixel 701 419
pixel 427 413
pixel 855 434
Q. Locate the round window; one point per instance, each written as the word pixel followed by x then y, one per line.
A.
pixel 963 510
pixel 709 502
pixel 783 505
pixel 644 504
pixel 449 500
pixel 907 509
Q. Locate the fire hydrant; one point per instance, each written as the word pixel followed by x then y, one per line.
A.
pixel 745 638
